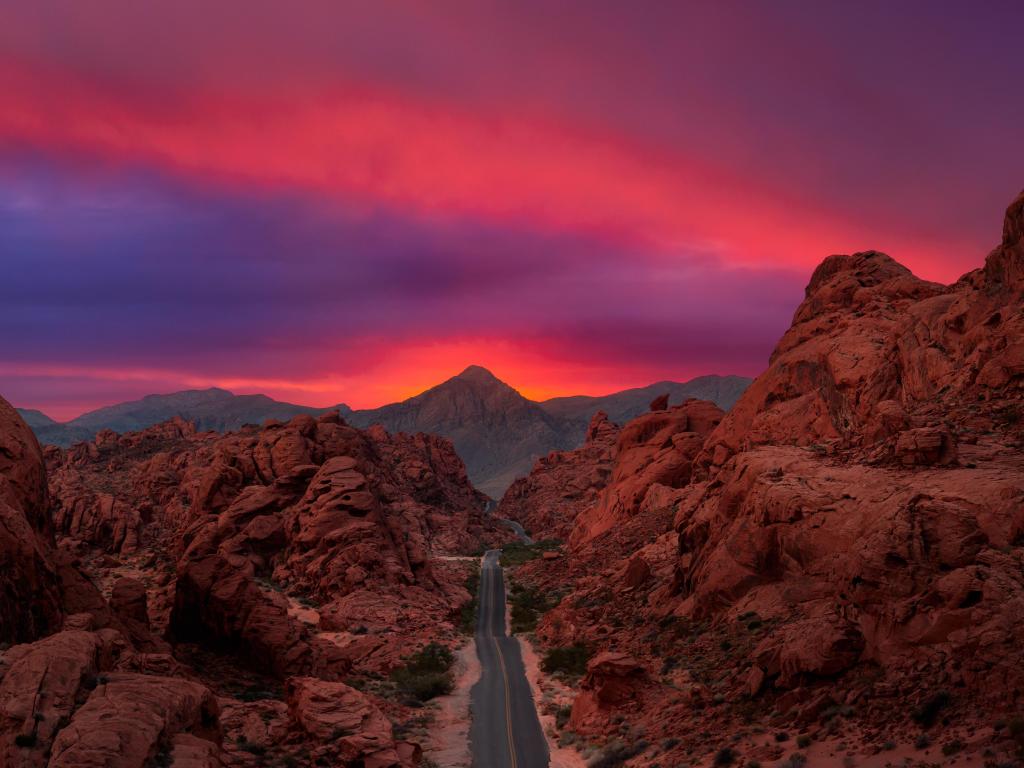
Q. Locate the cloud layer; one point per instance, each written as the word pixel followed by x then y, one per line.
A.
pixel 351 203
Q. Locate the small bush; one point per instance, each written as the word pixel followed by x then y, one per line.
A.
pixel 617 753
pixel 781 736
pixel 928 712
pixel 923 741
pixel 570 660
pixel 803 741
pixel 468 611
pixel 427 673
pixel 725 756
pixel 562 715
pixel 528 604
pixel 518 553
pixel 796 760
pixel 952 747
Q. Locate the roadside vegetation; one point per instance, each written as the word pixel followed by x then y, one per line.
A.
pixel 469 610
pixel 528 604
pixel 426 674
pixel 569 660
pixel 518 553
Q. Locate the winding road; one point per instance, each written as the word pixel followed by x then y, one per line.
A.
pixel 505 732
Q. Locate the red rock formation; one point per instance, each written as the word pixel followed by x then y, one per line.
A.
pixel 562 484
pixel 239 544
pixel 612 681
pixel 346 722
pixel 847 546
pixel 129 719
pixel 653 451
pixel 29 590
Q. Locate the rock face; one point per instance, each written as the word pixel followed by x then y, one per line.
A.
pixel 584 493
pixel 353 730
pixel 654 451
pixel 564 483
pixel 846 548
pixel 277 559
pixel 496 430
pixel 29 587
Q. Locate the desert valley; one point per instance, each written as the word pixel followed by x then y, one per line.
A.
pixel 511 384
pixel 828 571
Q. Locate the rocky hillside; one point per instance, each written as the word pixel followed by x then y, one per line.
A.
pixel 189 599
pixel 620 407
pixel 208 409
pixel 495 429
pixel 837 572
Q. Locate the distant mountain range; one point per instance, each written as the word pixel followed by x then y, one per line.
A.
pixel 497 432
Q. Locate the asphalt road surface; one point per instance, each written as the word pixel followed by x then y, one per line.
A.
pixel 505 732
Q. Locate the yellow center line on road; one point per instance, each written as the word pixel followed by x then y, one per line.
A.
pixel 495 575
pixel 508 706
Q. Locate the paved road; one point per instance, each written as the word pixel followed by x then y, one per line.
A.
pixel 492 505
pixel 505 732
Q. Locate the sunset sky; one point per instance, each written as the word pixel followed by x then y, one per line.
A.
pixel 335 201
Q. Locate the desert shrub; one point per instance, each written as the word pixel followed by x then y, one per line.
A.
pixel 796 760
pixel 781 736
pixel 528 604
pixel 928 712
pixel 468 611
pixel 427 673
pixel 923 741
pixel 518 553
pixel 562 715
pixel 803 741
pixel 616 753
pixel 725 756
pixel 952 747
pixel 570 660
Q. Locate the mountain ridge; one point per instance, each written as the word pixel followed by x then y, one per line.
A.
pixel 498 432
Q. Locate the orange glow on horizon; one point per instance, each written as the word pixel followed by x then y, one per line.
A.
pixel 406 372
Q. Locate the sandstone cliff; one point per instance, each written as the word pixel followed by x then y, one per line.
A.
pixel 846 548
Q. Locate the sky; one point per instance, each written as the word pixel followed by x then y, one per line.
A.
pixel 336 201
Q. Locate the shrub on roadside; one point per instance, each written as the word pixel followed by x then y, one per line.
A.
pixel 427 673
pixel 570 660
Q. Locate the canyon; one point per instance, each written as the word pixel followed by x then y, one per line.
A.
pixel 830 571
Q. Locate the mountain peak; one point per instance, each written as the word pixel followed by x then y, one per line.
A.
pixel 477 374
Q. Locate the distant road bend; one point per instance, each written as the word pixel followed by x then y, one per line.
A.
pixel 505 732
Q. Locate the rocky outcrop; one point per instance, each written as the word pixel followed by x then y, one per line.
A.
pixel 74 699
pixel 129 720
pixel 352 729
pixel 613 681
pixel 846 545
pixel 654 450
pixel 29 587
pixel 306 548
pixel 562 484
